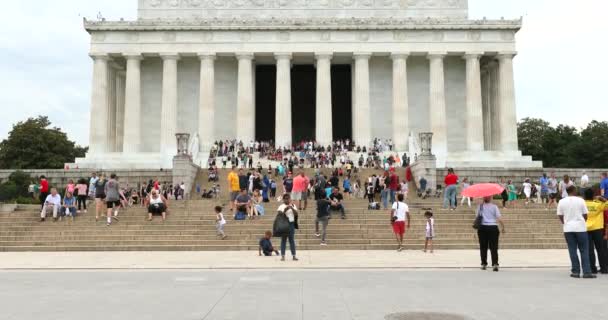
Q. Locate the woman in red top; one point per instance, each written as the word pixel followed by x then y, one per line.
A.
pixel 449 198
pixel 44 190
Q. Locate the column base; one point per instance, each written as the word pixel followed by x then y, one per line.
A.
pixel 488 159
pixel 114 161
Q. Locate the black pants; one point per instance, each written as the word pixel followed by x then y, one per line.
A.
pixel 597 243
pixel 42 198
pixel 82 202
pixel 488 239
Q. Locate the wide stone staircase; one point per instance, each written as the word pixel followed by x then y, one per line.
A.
pixel 191 226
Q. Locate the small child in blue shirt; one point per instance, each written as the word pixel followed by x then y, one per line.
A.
pixel 266 245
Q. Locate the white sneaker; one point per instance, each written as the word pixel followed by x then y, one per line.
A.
pixel 323 243
pixel 317 235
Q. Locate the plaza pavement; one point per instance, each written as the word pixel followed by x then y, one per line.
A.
pixel 449 259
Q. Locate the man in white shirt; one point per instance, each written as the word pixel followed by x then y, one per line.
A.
pixel 52 203
pixel 584 183
pixel 400 218
pixel 572 212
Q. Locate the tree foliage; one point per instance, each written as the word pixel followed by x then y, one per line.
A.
pixel 34 144
pixel 564 146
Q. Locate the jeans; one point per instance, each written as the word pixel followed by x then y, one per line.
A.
pixel 340 208
pixel 488 239
pixel 292 241
pixel 392 194
pixel 324 221
pixel 597 243
pixel 449 197
pixel 384 196
pixel 580 241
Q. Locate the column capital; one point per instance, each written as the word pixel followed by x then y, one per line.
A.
pixel 170 56
pixel 436 55
pixel 132 56
pixel 400 55
pixel 472 55
pixel 244 55
pixel 282 55
pixel 100 56
pixel 206 56
pixel 362 55
pixel 324 55
pixel 506 55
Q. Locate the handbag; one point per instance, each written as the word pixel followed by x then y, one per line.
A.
pixel 478 219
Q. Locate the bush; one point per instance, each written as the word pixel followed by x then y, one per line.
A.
pixel 27 200
pixel 8 191
pixel 22 181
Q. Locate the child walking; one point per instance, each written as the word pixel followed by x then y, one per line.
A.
pixel 220 222
pixel 430 231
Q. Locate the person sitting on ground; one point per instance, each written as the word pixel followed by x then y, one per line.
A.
pixel 69 206
pixel 336 202
pixel 157 205
pixel 243 203
pixel 52 203
pixel 266 247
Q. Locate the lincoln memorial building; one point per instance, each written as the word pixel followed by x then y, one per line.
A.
pixel 294 70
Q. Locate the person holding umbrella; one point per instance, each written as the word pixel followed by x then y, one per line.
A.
pixel 488 219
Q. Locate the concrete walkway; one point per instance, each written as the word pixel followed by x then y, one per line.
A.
pixel 453 259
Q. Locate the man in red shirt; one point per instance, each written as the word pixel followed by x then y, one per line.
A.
pixel 300 187
pixel 449 198
pixel 394 186
pixel 44 190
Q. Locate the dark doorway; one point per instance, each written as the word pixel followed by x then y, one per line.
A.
pixel 341 99
pixel 303 102
pixel 265 102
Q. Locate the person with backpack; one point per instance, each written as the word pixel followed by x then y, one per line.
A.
pixel 285 226
pixel 488 232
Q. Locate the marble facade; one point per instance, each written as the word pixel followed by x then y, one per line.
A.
pixel 188 66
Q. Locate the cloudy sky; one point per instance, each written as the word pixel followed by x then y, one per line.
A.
pixel 45 70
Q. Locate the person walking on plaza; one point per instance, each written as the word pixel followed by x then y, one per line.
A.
pixel 291 211
pixel 323 207
pixel 400 218
pixel 489 233
pixel 220 222
pixel 112 192
pixel 572 212
pixel 429 231
pixel 451 181
pixel 234 186
pixel 52 203
pixel 595 231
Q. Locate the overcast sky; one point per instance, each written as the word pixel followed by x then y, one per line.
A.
pixel 45 70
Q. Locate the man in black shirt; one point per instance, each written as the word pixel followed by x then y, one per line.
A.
pixel 336 202
pixel 323 206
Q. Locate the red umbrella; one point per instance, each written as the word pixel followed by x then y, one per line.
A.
pixel 482 190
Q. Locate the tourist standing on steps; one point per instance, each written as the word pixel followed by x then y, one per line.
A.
pixel 552 186
pixel 400 218
pixel 81 187
pixel 323 207
pixel 100 196
pixel 572 212
pixel 233 184
pixel 300 185
pixel 44 190
pixel 112 192
pixel 451 182
pixel 564 185
pixel 291 211
pixel 596 232
pixel 465 185
pixel 488 233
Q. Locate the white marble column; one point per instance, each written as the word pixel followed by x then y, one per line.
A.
pixel 475 142
pixel 120 110
pixel 437 104
pixel 283 130
pixel 111 129
pixel 361 110
pixel 508 116
pixel 245 114
pixel 494 105
pixel 324 112
pixel 132 118
pixel 168 126
pixel 98 138
pixel 206 115
pixel 401 127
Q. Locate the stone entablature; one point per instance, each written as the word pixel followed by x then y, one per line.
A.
pixel 154 9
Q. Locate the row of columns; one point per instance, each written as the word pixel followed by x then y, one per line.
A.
pixel 505 137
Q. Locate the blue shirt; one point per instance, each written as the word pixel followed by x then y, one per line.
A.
pixel 490 214
pixel 544 184
pixel 604 185
pixel 69 201
pixel 266 246
pixel 346 184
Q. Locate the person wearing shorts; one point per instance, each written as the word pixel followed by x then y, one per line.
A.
pixel 112 192
pixel 100 195
pixel 400 217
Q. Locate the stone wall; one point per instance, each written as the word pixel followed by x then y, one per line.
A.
pixel 59 178
pixel 478 175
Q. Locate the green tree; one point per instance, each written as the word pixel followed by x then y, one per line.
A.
pixel 33 144
pixel 531 137
pixel 593 147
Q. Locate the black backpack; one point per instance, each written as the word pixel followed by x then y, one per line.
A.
pixel 281 225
